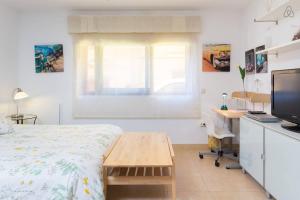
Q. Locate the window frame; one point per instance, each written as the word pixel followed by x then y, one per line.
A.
pixel 149 77
pixel 150 106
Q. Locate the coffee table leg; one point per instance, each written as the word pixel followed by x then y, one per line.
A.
pixel 105 182
pixel 173 183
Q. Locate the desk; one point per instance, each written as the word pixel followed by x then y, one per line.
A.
pixel 233 116
pixel 230 114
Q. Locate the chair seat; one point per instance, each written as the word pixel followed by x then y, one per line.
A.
pixel 222 133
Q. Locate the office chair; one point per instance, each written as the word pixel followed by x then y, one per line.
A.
pixel 220 133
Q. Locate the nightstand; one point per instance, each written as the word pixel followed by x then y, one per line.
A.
pixel 21 118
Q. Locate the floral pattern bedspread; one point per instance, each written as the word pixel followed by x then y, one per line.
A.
pixel 54 162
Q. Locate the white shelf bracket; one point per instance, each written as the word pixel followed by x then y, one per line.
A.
pixel 266 21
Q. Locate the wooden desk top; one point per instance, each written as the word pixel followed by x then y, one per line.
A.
pixel 141 150
pixel 230 114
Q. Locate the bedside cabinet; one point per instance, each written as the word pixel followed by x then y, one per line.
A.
pixel 21 118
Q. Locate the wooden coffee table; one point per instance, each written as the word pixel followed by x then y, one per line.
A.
pixel 140 159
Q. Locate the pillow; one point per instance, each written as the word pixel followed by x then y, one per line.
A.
pixel 5 126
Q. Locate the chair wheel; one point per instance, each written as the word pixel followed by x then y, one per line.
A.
pixel 217 164
pixel 212 151
pixel 201 156
pixel 221 153
pixel 235 154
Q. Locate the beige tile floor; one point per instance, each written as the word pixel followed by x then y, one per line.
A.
pixel 196 180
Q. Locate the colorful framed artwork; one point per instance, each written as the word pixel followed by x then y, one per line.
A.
pixel 216 58
pixel 261 61
pixel 250 61
pixel 297 36
pixel 49 58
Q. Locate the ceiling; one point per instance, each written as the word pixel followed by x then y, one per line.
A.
pixel 124 4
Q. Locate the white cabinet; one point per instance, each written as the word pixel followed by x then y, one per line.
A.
pixel 252 149
pixel 271 155
pixel 282 166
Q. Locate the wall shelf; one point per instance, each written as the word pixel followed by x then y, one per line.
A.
pixel 277 13
pixel 290 46
pixel 253 97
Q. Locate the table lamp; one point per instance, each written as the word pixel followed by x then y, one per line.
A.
pixel 224 106
pixel 18 95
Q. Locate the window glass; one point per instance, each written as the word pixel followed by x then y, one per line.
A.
pixel 124 67
pixel 169 69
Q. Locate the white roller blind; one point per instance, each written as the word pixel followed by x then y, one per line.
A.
pixel 133 24
pixel 136 76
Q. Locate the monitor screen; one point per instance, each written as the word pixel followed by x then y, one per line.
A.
pixel 286 95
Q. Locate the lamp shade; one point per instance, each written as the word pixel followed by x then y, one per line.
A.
pixel 19 94
pixel 224 94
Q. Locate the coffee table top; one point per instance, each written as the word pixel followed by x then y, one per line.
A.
pixel 141 150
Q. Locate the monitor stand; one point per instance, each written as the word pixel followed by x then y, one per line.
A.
pixel 291 127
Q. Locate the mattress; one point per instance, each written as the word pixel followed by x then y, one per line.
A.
pixel 54 162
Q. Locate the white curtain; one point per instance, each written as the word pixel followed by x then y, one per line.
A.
pixel 151 105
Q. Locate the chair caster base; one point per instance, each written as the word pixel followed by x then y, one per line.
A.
pixel 220 153
pixel 217 164
pixel 269 196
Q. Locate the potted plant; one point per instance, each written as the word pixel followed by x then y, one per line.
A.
pixel 243 75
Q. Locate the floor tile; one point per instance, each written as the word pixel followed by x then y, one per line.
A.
pixel 196 179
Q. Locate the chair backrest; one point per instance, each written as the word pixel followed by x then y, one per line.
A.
pixel 214 123
pixel 210 126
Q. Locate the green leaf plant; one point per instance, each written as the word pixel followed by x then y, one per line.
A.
pixel 243 75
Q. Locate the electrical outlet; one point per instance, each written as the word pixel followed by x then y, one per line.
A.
pixel 202 124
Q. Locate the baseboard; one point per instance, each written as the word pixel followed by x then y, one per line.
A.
pixel 199 146
pixel 190 146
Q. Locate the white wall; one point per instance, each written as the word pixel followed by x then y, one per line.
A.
pixel 48 90
pixel 257 34
pixel 8 57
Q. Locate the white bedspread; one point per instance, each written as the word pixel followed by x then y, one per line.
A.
pixel 54 162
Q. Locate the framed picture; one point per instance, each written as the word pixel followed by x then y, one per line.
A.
pixel 261 61
pixel 49 58
pixel 297 36
pixel 216 58
pixel 250 61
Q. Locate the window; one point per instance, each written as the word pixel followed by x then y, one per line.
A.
pixel 90 79
pixel 137 69
pixel 169 68
pixel 124 69
pixel 136 75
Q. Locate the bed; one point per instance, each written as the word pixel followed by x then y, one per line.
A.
pixel 54 162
